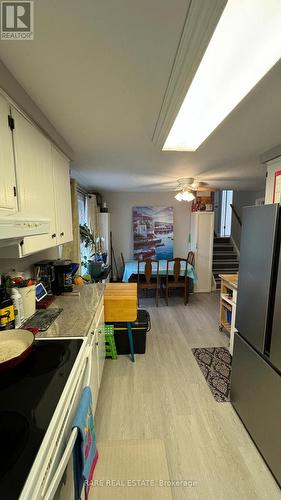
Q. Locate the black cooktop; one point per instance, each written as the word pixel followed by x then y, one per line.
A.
pixel 29 395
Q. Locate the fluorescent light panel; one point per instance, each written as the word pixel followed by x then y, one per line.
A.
pixel 244 47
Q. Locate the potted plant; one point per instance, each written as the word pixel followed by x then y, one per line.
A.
pixel 93 263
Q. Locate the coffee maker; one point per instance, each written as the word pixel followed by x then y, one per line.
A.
pixel 63 276
pixel 56 275
pixel 45 272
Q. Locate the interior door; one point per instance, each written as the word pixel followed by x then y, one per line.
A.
pixel 62 196
pixel 35 181
pixel 204 252
pixel 8 200
pixel 255 273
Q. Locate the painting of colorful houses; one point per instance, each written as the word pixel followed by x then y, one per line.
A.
pixel 153 230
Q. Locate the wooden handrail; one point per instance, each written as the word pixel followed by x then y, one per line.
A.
pixel 236 214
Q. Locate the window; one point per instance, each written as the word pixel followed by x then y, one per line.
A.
pixel 226 213
pixel 83 219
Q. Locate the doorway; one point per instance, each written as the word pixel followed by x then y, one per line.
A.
pixel 226 213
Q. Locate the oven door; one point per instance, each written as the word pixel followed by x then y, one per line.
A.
pixel 57 478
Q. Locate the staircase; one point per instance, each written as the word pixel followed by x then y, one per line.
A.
pixel 225 260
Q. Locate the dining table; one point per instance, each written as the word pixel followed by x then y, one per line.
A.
pixel 131 267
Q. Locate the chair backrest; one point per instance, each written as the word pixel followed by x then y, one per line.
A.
pixel 179 268
pixel 150 266
pixel 191 258
pixel 123 263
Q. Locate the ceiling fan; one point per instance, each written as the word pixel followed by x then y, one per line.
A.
pixel 188 186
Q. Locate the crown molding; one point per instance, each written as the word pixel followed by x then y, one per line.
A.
pixel 200 22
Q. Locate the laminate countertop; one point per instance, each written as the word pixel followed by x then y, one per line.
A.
pixel 78 312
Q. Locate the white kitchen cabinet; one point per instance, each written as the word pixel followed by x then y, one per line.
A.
pixel 62 197
pixel 43 187
pixel 97 343
pixel 101 344
pixel 8 199
pixel 94 369
pixel 35 181
pixel 201 243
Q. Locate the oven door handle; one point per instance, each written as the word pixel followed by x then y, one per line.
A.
pixel 49 495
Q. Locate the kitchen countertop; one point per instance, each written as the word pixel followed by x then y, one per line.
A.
pixel 78 312
pixel 232 279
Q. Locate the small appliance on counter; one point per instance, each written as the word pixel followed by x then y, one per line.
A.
pixel 63 277
pixel 45 272
pixel 56 275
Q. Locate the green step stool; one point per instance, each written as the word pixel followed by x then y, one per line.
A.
pixel 110 347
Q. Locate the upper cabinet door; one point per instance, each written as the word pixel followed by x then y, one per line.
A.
pixel 8 200
pixel 62 197
pixel 35 180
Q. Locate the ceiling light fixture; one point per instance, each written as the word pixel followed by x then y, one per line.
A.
pixel 185 195
pixel 244 47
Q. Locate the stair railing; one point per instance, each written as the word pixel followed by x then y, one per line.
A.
pixel 236 214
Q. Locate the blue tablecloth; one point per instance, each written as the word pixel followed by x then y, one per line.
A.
pixel 131 267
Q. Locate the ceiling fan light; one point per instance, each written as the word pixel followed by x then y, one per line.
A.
pixel 179 196
pixel 188 196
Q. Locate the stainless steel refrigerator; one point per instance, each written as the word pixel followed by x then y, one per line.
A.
pixel 256 364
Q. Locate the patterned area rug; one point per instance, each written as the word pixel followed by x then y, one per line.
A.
pixel 215 364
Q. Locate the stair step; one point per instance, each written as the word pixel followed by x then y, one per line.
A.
pixel 225 263
pixel 222 268
pixel 224 256
pixel 222 240
pixel 223 250
pixel 225 259
pixel 222 245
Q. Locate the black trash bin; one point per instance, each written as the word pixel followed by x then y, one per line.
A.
pixel 140 327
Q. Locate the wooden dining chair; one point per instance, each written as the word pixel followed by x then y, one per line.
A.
pixel 178 278
pixel 191 258
pixel 133 278
pixel 123 263
pixel 148 278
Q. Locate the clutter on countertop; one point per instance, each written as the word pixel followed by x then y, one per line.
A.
pixel 7 310
pixel 43 319
pixel 78 311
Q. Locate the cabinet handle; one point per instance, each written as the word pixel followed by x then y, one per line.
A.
pixel 100 332
pixel 62 234
pixel 93 332
pixel 54 235
pixel 97 343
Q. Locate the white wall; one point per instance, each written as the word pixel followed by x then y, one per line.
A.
pixel 242 199
pixel 272 167
pixel 120 206
pixel 26 263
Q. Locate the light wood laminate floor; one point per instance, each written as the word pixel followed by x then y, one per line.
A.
pixel 164 396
